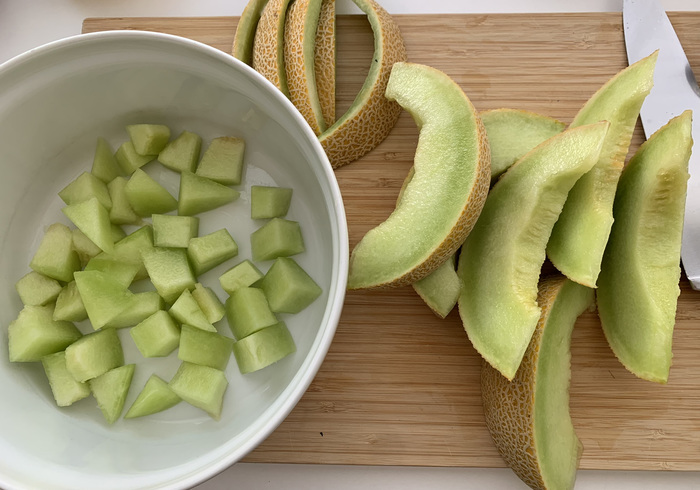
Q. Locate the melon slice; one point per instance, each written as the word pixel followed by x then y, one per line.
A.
pixel 146 196
pixel 104 165
pixel 131 247
pixel 200 386
pixel 245 31
pixel 501 259
pixel 578 239
pixel 247 311
pixel 279 237
pixel 199 194
pixel 156 336
pixel 222 161
pixel 36 289
pixel 141 306
pixel 56 257
pixel 174 231
pixel 182 153
pixel 85 248
pixel 638 285
pixel 156 396
pixel 121 213
pixel 34 334
pixel 187 311
pixel 93 220
pixel 440 289
pixel 268 52
pixel 263 348
pixel 240 276
pixel 122 271
pixel 208 251
pixel 129 160
pixel 148 139
pixel 69 305
pixel 324 61
pixel 204 348
pixel 528 418
pixel 287 287
pixel 94 354
pixel 85 187
pixel 110 390
pixel 443 199
pixel 269 202
pixel 209 302
pixel 65 389
pixel 103 295
pixel 169 270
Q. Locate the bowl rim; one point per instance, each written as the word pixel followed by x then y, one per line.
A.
pixel 290 396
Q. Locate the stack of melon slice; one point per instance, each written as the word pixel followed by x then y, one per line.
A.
pixel 86 273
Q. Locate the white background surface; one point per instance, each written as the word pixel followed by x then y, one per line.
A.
pixel 25 24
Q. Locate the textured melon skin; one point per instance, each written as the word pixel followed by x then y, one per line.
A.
pixel 268 50
pixel 324 62
pixel 245 31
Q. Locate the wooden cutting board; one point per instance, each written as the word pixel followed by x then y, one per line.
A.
pixel 400 386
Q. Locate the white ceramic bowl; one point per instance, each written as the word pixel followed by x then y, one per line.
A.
pixel 54 102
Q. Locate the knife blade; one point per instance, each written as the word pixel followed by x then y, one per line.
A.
pixel 647 29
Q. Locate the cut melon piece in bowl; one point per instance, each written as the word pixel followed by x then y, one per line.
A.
pixel 187 86
pixel 442 200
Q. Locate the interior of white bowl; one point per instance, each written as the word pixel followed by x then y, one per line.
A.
pixel 54 103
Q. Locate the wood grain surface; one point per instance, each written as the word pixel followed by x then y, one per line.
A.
pixel 401 387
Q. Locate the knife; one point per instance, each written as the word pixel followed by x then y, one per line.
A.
pixel 647 29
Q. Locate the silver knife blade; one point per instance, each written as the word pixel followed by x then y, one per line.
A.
pixel 647 29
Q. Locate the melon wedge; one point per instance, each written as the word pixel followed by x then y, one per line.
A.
pixel 578 240
pixel 324 60
pixel 638 284
pixel 528 418
pixel 245 31
pixel 501 259
pixel 268 46
pixel 443 199
pixel 440 289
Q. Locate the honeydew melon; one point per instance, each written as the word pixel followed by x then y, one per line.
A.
pixel 278 237
pixel 199 194
pixel 94 354
pixel 35 334
pixel 209 303
pixel 110 390
pixel 200 386
pixel 208 251
pixel 174 231
pixel 35 289
pixel 148 139
pixel 263 348
pixel 85 248
pixel 222 161
pixel 169 271
pixel 269 202
pixel 146 196
pixel 440 289
pixel 121 213
pixel 247 311
pixel 66 390
pixel 104 296
pixel 156 396
pixel 131 247
pixel 204 348
pixel 93 220
pixel 157 335
pixel 239 276
pixel 186 310
pixel 69 305
pixel 104 165
pixel 129 160
pixel 182 153
pixel 85 187
pixel 123 272
pixel 141 306
pixel 56 257
pixel 287 287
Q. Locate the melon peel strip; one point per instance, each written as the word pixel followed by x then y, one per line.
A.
pixel 268 52
pixel 324 61
pixel 245 31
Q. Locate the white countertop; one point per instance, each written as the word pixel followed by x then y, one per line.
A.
pixel 25 24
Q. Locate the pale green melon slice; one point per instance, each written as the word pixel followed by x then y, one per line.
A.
pixel 174 231
pixel 122 271
pixel 208 251
pixel 440 289
pixel 141 306
pixel 240 276
pixel 85 187
pixel 186 310
pixel 104 296
pixel 199 194
pixel 148 139
pixel 182 153
pixel 56 257
pixel 121 213
pixel 200 386
pixel 269 202
pixel 263 348
pixel 169 270
pixel 66 390
pixel 36 289
pixel 156 396
pixel 204 348
pixel 278 237
pixel 69 305
pixel 209 302
pixel 110 390
pixel 287 287
pixel 93 220
pixel 104 165
pixel 156 336
pixel 146 196
pixel 94 354
pixel 247 311
pixel 222 161
pixel 34 334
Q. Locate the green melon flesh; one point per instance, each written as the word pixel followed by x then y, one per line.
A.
pixel 69 305
pixel 156 396
pixel 157 335
pixel 131 247
pixel 208 251
pixel 142 306
pixel 440 290
pixel 263 348
pixel 199 194
pixel 182 153
pixel 200 386
pixel 122 272
pixel 55 256
pixel 129 160
pixel 85 248
pixel 186 310
pixel 578 239
pixel 121 213
pixel 209 302
pixel 104 165
pixel 247 311
pixel 148 139
pixel 245 31
pixel 104 296
pixel 174 231
pixel 65 389
pixel 34 334
pixel 204 348
pixel 269 202
pixel 638 286
pixel 147 197
pixel 222 161
pixel 501 259
pixel 110 391
pixel 117 232
pixel 240 276
pixel 93 220
pixel 85 187
pixel 169 271
pixel 35 289
pixel 287 287
pixel 279 237
pixel 94 354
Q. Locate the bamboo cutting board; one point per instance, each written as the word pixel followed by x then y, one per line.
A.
pixel 401 387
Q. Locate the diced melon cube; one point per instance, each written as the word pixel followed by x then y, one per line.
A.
pixel 110 390
pixel 148 139
pixel 169 271
pixel 174 231
pixel 85 247
pixel 263 348
pixel 240 276
pixel 208 251
pixel 121 213
pixel 141 307
pixel 55 256
pixel 69 305
pixel 200 386
pixel 156 396
pixel 105 166
pixel 130 248
pixel 129 160
pixel 34 334
pixel 269 202
pixel 277 238
pixel 209 302
pixel 204 348
pixel 103 296
pixel 117 232
pixel 93 220
pixel 287 287
pixel 94 354
pixel 247 311
pixel 36 289
pixel 199 194
pixel 123 272
pixel 85 187
pixel 182 153
pixel 157 335
pixel 146 196
pixel 186 310
pixel 223 161
pixel 66 390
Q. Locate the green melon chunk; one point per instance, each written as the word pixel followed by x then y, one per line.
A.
pixel 263 348
pixel 142 306
pixel 287 287
pixel 69 305
pixel 208 251
pixel 34 334
pixel 121 213
pixel 85 187
pixel 94 354
pixel 578 239
pixel 199 194
pixel 55 256
pixel 182 153
pixel 65 389
pixel 638 285
pixel 204 348
pixel 222 161
pixel 247 311
pixel 186 310
pixel 512 133
pixel 500 262
pixel 200 386
pixel 148 139
pixel 123 272
pixel 209 302
pixel 147 197
pixel 174 231
pixel 110 391
pixel 93 220
pixel 269 202
pixel 104 165
pixel 277 238
pixel 240 276
pixel 440 290
pixel 157 335
pixel 36 289
pixel 104 296
pixel 85 247
pixel 245 31
pixel 169 271
pixel 130 248
pixel 117 232
pixel 156 396
pixel 129 160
